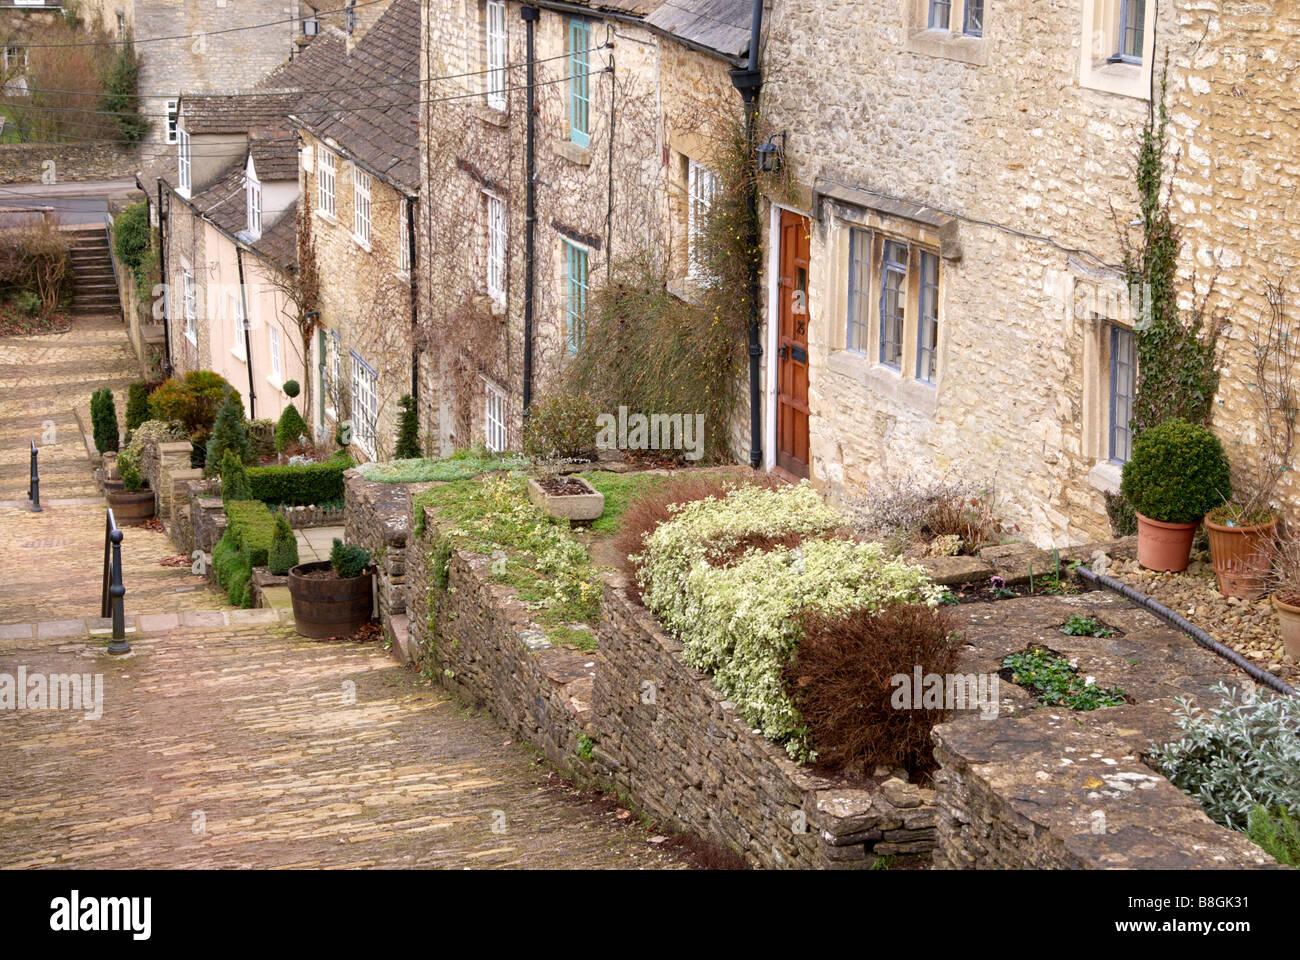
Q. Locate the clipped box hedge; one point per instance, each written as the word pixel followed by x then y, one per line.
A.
pixel 303 484
pixel 245 544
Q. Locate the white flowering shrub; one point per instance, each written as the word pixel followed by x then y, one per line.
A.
pixel 740 620
pixel 1237 756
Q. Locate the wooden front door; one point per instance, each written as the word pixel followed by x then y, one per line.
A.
pixel 792 347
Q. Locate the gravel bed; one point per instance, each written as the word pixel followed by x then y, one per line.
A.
pixel 1249 628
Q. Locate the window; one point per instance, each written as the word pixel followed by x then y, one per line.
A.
pixel 173 111
pixel 404 240
pixel 191 307
pixel 334 363
pixel 1123 380
pixel 496 54
pixel 365 392
pixel 237 314
pixel 253 192
pixel 329 166
pixel 350 17
pixel 580 82
pixel 940 14
pixel 361 206
pixel 973 19
pixel 893 296
pixel 859 291
pixel 1131 26
pixel 183 162
pixel 575 275
pixel 927 329
pixel 277 373
pixel 496 247
pixel 702 186
pixel 15 58
pixel 494 418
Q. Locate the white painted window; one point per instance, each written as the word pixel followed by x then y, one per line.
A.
pixel 237 314
pixel 183 161
pixel 325 182
pixel 173 112
pixel 361 206
pixel 15 58
pixel 277 373
pixel 496 247
pixel 253 193
pixel 365 394
pixel 494 418
pixel 191 296
pixel 404 238
pixel 702 186
pixel 496 54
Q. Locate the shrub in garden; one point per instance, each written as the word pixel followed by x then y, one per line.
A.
pixel 103 420
pixel 194 400
pixel 740 621
pixel 292 388
pixel 561 427
pixel 841 682
pixel 1123 522
pixel 348 560
pixel 137 404
pixel 912 511
pixel 1236 756
pixel 305 483
pixel 128 468
pixel 1278 832
pixel 290 427
pixel 234 479
pixel 1177 474
pixel 131 239
pixel 284 547
pixel 245 544
pixel 261 434
pixel 408 433
pixel 229 435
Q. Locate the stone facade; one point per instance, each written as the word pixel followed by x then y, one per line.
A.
pixel 1002 155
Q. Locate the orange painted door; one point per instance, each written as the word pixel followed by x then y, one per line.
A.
pixel 792 347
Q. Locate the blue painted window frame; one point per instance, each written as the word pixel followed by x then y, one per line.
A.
pixel 580 81
pixel 973 18
pixel 927 322
pixel 940 14
pixel 1123 360
pixel 857 334
pixel 1132 30
pixel 576 274
pixel 893 280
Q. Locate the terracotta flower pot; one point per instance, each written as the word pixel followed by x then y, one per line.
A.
pixel 1241 558
pixel 1164 546
pixel 1288 617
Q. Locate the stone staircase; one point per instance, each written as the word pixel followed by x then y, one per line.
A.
pixel 93 280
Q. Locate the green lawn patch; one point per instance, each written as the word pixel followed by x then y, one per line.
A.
pixel 460 466
pixel 620 490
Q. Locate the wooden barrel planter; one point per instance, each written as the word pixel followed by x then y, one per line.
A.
pixel 328 606
pixel 131 509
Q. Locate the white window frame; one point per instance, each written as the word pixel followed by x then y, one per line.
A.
pixel 361 206
pixel 173 118
pixel 326 179
pixel 333 367
pixel 404 237
pixel 191 300
pixel 237 312
pixel 495 39
pixel 496 246
pixel 494 417
pixel 702 187
pixel 183 166
pixel 253 194
pixel 365 404
pixel 273 343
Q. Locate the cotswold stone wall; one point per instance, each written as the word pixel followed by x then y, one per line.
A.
pixel 67 162
pixel 633 718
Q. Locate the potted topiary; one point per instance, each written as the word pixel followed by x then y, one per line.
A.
pixel 1177 473
pixel 332 598
pixel 134 503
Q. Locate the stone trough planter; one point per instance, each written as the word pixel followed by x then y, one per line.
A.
pixel 584 503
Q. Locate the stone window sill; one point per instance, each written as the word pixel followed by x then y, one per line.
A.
pixel 570 151
pixel 1122 79
pixel 684 289
pixel 883 382
pixel 1105 476
pixel 327 217
pixel 493 116
pixel 949 46
pixel 238 355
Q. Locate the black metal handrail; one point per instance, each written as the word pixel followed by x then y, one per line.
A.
pixel 111 598
pixel 34 484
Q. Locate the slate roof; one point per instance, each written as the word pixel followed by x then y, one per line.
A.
pixel 225 204
pixel 376 121
pixel 219 113
pixel 275 159
pixel 721 25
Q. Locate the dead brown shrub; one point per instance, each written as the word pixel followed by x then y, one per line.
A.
pixel 35 258
pixel 840 681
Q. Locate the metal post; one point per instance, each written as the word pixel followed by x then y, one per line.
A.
pixel 34 487
pixel 111 604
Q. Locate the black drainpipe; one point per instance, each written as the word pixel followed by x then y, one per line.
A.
pixel 530 16
pixel 749 82
pixel 415 313
pixel 248 339
pixel 162 272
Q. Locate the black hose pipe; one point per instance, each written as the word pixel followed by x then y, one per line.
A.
pixel 1182 623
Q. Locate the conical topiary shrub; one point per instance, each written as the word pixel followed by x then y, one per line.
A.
pixel 408 435
pixel 289 429
pixel 103 420
pixel 228 434
pixel 234 480
pixel 283 556
pixel 137 405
